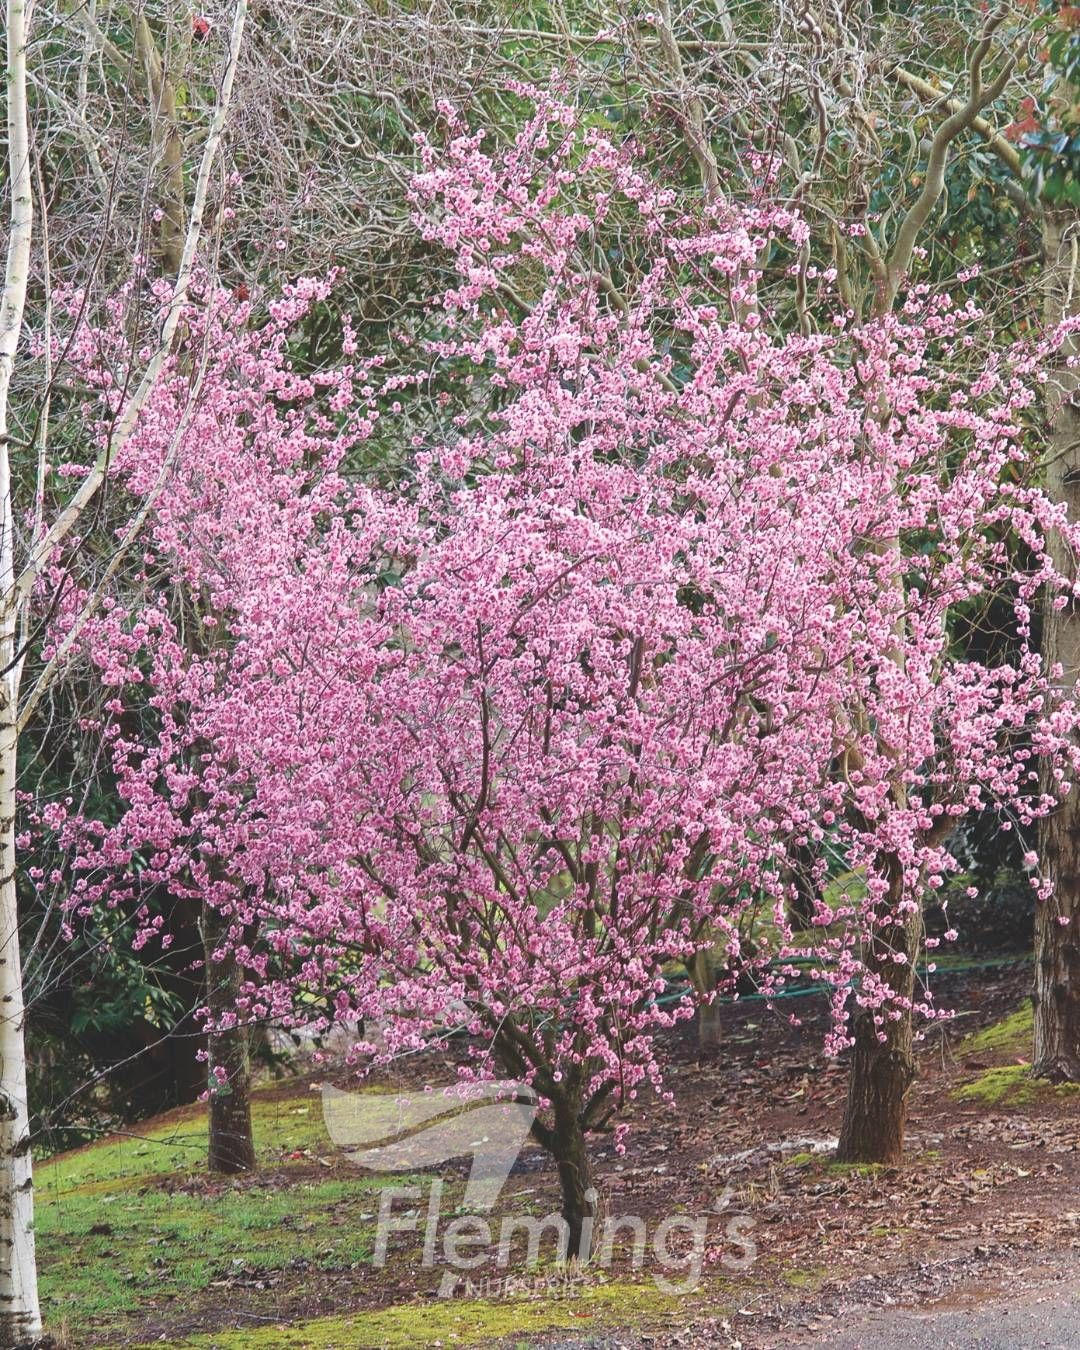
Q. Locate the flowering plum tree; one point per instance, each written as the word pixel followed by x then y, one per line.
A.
pixel 664 604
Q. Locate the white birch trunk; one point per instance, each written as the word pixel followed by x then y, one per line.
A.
pixel 20 1316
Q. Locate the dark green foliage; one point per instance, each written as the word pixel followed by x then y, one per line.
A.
pixel 1048 129
pixel 1001 917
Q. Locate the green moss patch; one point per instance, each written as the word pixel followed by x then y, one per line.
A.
pixel 1010 1036
pixel 842 1169
pixel 1012 1085
pixel 823 1164
pixel 587 1307
pixel 812 1278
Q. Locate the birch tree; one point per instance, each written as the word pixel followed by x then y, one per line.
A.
pixel 25 562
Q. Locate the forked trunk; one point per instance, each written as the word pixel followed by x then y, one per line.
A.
pixel 232 1146
pixel 882 1060
pixel 1057 925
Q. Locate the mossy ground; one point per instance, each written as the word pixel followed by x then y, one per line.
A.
pixel 824 1164
pixel 139 1246
pixel 133 1233
pixel 134 1221
pixel 589 1307
pixel 809 1279
pixel 1009 1036
pixel 1013 1085
pixel 1008 1083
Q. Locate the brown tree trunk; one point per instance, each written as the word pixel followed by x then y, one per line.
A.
pixel 168 148
pixel 702 975
pixel 883 1070
pixel 709 1030
pixel 179 974
pixel 232 1147
pixel 800 905
pixel 1056 991
pixel 568 1148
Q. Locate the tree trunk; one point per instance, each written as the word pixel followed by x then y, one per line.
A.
pixel 232 1147
pixel 702 975
pixel 168 149
pixel 20 1316
pixel 1056 991
pixel 567 1141
pixel 883 1070
pixel 709 1027
pixel 801 901
pixel 179 974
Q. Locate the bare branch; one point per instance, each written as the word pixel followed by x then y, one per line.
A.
pixel 1007 153
pixel 963 119
pixel 43 549
pixel 692 111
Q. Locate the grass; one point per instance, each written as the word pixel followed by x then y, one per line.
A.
pixel 108 1255
pixel 177 1142
pixel 128 1224
pixel 130 1228
pixel 589 1307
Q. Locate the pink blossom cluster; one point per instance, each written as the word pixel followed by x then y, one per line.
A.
pixel 671 599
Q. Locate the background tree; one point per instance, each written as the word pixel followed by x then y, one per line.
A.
pixel 1046 130
pixel 883 127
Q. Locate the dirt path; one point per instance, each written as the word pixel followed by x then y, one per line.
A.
pixel 1033 1307
pixel 1041 1309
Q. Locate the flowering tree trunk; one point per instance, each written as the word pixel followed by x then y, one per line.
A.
pixel 702 973
pixel 232 1147
pixel 882 1061
pixel 564 1139
pixel 1056 991
pixel 572 1160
